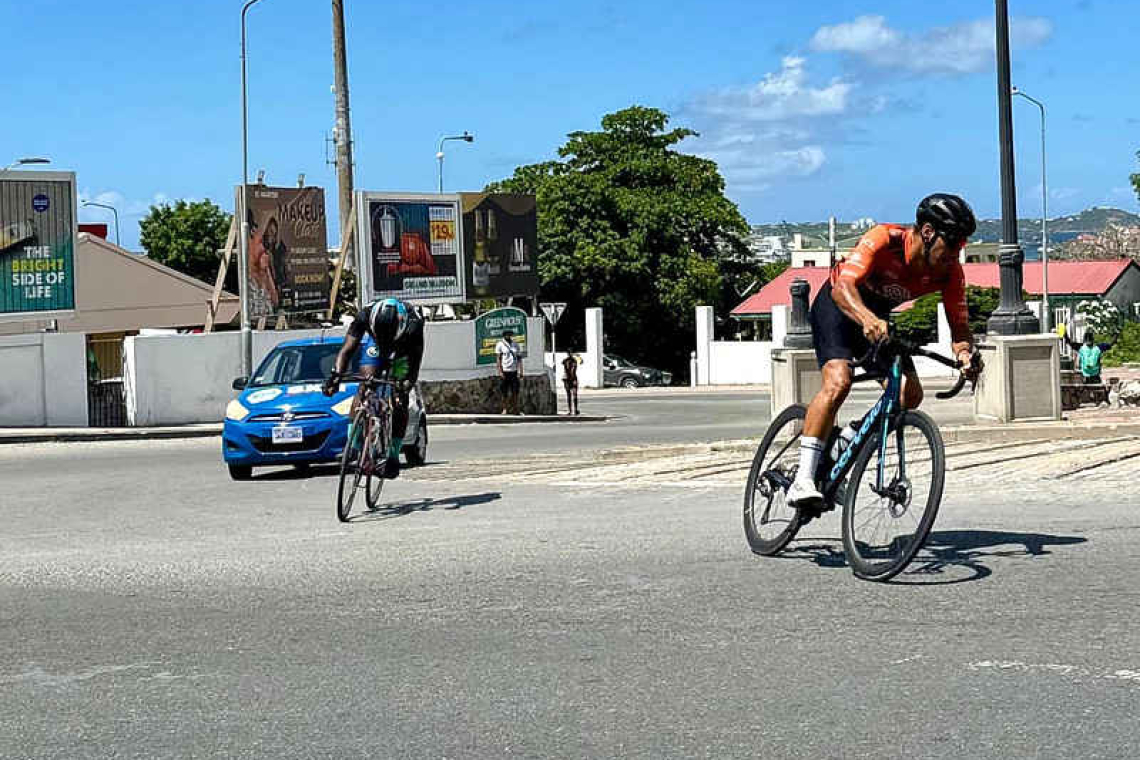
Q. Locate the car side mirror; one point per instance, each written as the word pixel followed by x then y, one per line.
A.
pixel 240 383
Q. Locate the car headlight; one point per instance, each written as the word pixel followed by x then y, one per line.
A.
pixel 235 411
pixel 344 407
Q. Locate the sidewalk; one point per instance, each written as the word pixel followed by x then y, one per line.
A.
pixel 211 430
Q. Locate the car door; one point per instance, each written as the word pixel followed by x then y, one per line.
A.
pixel 609 371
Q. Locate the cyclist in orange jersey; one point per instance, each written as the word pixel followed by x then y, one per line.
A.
pixel 892 264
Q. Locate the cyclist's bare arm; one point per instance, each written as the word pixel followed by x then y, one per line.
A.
pixel 347 351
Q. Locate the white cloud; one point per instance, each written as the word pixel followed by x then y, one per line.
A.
pixel 766 132
pixel 780 95
pixel 957 49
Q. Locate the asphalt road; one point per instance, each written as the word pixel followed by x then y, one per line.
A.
pixel 152 608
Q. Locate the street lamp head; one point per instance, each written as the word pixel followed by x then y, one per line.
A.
pixel 1014 91
pixel 33 160
pixel 468 137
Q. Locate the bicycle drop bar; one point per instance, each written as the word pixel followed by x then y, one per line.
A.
pixel 902 347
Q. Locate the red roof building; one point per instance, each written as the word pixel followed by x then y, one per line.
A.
pixel 1117 281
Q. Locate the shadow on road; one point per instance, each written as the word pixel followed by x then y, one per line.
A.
pixel 950 556
pixel 403 508
pixel 324 471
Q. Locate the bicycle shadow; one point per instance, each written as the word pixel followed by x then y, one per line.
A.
pixel 947 554
pixel 405 508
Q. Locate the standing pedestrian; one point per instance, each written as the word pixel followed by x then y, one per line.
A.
pixel 1089 355
pixel 509 358
pixel 570 382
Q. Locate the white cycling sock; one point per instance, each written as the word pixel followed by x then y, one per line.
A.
pixel 811 449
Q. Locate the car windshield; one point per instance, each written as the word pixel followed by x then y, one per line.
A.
pixel 293 365
pixel 620 362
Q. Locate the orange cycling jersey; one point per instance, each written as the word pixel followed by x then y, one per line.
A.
pixel 878 266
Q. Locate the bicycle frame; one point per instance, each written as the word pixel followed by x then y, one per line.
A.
pixel 884 410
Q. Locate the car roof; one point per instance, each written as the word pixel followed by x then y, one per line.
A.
pixel 327 340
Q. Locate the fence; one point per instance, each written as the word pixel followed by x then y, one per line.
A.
pixel 106 400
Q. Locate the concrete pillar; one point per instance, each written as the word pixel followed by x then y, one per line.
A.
pixel 591 370
pixel 704 344
pixel 796 377
pixel 1022 379
pixel 779 324
pixel 65 379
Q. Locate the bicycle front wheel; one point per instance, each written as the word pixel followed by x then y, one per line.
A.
pixel 770 523
pixel 377 447
pixel 886 521
pixel 350 469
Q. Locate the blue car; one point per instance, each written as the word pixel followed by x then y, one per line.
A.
pixel 281 417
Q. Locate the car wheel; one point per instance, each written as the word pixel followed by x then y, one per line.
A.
pixel 630 382
pixel 416 454
pixel 240 471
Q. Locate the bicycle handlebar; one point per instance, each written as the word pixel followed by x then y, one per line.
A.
pixel 903 347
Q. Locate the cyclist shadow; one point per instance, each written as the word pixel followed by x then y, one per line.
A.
pixel 949 556
pixel 405 508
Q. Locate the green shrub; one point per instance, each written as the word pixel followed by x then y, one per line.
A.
pixel 1127 348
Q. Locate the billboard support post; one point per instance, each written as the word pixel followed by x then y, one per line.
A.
pixel 346 244
pixel 220 282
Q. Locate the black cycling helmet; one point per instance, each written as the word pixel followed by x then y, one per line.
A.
pixel 387 321
pixel 951 216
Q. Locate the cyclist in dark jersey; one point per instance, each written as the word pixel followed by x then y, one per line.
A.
pixel 892 264
pixel 396 330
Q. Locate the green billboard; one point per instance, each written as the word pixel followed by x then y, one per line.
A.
pixel 489 329
pixel 37 243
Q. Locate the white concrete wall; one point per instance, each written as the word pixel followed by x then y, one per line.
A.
pixel 704 322
pixel 740 362
pixel 43 380
pixel 590 372
pixel 182 379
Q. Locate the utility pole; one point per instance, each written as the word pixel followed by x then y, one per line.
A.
pixel 343 125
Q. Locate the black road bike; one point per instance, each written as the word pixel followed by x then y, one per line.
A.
pixel 888 479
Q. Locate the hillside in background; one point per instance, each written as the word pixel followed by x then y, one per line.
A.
pixel 1061 229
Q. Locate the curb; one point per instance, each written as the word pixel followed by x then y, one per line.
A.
pixel 73 435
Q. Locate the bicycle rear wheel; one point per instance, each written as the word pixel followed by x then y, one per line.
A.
pixel 770 523
pixel 884 529
pixel 350 469
pixel 378 442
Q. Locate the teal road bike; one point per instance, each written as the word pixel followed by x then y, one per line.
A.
pixel 888 479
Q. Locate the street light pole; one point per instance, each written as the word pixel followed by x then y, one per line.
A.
pixel 1011 317
pixel 1046 313
pixel 243 261
pixel 115 211
pixel 465 137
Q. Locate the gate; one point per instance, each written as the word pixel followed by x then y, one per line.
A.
pixel 106 402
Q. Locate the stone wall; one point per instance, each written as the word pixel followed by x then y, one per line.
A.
pixel 481 396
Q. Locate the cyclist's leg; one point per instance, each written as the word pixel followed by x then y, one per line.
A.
pixel 399 400
pixel 837 339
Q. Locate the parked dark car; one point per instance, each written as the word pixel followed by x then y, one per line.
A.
pixel 616 371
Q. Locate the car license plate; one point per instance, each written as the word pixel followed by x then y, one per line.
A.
pixel 285 434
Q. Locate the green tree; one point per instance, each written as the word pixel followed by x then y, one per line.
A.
pixel 920 323
pixel 187 236
pixel 628 223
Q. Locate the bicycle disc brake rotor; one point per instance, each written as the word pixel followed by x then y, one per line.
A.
pixel 899 494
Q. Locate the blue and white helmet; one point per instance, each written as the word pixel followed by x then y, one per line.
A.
pixel 387 321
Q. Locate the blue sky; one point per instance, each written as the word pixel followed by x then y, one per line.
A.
pixel 811 109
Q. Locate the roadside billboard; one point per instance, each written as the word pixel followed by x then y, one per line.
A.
pixel 409 247
pixel 500 239
pixel 489 329
pixel 37 244
pixel 288 250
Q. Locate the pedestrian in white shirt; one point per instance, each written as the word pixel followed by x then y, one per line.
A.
pixel 510 372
